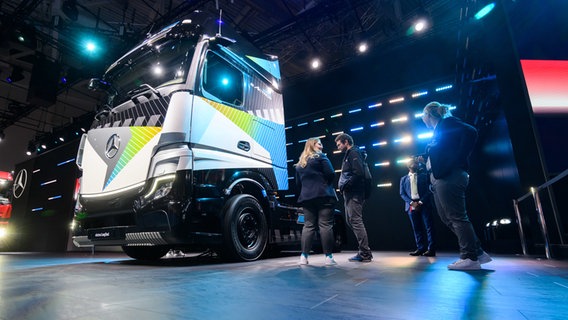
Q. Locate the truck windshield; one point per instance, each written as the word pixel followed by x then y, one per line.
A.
pixel 161 63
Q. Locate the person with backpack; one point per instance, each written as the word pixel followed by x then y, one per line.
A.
pixel 447 160
pixel 352 186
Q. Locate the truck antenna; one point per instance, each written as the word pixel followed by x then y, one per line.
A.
pixel 220 21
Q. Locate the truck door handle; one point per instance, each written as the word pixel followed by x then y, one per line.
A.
pixel 243 145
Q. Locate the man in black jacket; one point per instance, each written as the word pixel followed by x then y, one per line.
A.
pixel 448 160
pixel 352 186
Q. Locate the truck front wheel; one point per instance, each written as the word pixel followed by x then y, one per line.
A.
pixel 245 228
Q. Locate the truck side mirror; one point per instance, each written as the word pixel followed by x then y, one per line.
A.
pixel 97 84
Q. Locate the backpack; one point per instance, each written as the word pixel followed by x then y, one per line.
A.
pixel 368 176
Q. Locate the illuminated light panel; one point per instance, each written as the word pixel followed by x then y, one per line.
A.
pixel 290 178
pixel 336 115
pixel 355 110
pixel 290 160
pixel 425 135
pixel 384 185
pixel 36 171
pixel 337 171
pixel 302 141
pixel 405 160
pixel 65 162
pixel 302 124
pixel 443 88
pixel 382 164
pixel 378 144
pixel 376 105
pixel 419 94
pixel 37 209
pixel 377 124
pixel 418 115
pixel 337 133
pixel 452 108
pixel 54 197
pixel 289 196
pixel 289 144
pixel 505 221
pixel 321 137
pixel 48 182
pixel 288 127
pixel 362 147
pixel 400 119
pixel 336 151
pixel 396 100
pixel 546 84
pixel 484 11
pixel 356 129
pixel 405 139
pixel 318 120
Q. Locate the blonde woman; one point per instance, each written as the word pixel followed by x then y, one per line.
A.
pixel 314 179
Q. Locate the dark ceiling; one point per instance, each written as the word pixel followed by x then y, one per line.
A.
pixel 294 30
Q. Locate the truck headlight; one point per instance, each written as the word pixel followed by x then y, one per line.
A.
pixel 161 187
pixel 3 232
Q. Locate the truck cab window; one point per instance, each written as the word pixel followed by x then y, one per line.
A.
pixel 221 81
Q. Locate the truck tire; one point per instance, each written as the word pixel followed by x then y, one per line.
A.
pixel 245 230
pixel 146 253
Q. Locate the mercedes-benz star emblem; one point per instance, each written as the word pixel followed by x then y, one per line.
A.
pixel 112 146
pixel 20 183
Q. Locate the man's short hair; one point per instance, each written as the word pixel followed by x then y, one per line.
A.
pixel 344 137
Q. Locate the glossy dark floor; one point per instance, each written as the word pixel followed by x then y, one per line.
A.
pixel 393 286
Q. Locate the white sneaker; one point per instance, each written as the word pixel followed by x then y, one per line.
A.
pixel 465 264
pixel 303 260
pixel 484 258
pixel 330 261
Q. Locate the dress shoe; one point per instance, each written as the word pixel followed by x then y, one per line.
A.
pixel 417 253
pixel 429 253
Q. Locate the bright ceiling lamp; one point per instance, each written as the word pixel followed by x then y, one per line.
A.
pixel 315 64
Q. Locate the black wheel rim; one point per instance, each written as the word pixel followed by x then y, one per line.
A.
pixel 248 228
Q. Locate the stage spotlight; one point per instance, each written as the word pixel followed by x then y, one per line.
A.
pixel 90 46
pixel 2 135
pixel 31 148
pixel 363 47
pixel 315 64
pixel 420 25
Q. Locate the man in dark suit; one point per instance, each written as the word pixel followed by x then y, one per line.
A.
pixel 414 190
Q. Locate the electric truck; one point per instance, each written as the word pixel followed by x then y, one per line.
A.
pixel 188 150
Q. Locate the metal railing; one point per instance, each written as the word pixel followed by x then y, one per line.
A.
pixel 541 220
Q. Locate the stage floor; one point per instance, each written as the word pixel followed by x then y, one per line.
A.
pixel 393 286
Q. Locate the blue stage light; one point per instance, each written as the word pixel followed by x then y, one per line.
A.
pixel 484 11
